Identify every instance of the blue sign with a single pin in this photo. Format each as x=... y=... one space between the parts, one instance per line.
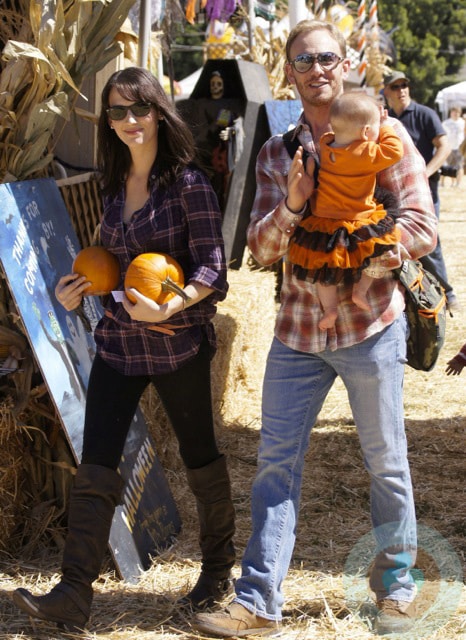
x=37 y=246
x=282 y=115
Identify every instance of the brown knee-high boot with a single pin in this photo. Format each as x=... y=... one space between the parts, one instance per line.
x=211 y=488
x=94 y=496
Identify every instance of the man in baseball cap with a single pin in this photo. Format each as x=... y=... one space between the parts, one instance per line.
x=425 y=128
x=393 y=76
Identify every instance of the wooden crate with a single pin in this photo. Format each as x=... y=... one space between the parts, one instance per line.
x=82 y=199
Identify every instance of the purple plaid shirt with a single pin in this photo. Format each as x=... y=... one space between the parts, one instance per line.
x=185 y=223
x=272 y=225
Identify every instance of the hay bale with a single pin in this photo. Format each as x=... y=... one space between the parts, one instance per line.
x=10 y=470
x=244 y=326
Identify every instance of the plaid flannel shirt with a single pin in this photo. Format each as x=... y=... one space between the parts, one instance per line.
x=184 y=222
x=272 y=226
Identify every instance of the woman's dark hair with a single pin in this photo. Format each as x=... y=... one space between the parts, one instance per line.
x=175 y=141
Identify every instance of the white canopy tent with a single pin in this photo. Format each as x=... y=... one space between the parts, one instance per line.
x=453 y=95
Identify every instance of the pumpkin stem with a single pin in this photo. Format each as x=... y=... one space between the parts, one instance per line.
x=169 y=285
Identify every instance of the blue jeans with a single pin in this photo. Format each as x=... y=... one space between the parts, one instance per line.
x=295 y=387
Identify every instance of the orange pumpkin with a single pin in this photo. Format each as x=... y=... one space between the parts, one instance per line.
x=100 y=267
x=157 y=276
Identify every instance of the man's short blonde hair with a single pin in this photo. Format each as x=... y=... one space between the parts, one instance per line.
x=306 y=26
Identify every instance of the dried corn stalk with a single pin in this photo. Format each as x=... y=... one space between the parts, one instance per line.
x=376 y=65
x=48 y=48
x=40 y=79
x=271 y=54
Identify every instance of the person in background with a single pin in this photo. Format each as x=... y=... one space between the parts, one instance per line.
x=463 y=144
x=366 y=348
x=155 y=200
x=454 y=125
x=456 y=364
x=425 y=128
x=348 y=226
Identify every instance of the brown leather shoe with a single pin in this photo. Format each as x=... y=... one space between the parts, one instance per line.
x=235 y=621
x=394 y=616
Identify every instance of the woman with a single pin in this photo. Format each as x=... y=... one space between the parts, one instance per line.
x=155 y=200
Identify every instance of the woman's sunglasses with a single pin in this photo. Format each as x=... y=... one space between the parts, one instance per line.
x=305 y=61
x=138 y=109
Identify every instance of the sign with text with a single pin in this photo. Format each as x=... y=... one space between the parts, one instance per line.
x=37 y=246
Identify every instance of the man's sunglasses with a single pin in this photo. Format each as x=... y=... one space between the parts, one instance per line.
x=305 y=61
x=396 y=87
x=138 y=109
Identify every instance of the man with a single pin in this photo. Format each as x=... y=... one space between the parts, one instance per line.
x=366 y=348
x=454 y=125
x=425 y=128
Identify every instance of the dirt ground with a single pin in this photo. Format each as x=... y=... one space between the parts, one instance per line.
x=322 y=598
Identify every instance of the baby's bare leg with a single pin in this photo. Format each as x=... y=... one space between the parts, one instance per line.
x=329 y=301
x=360 y=290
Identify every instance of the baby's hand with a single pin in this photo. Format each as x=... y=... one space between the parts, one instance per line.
x=383 y=113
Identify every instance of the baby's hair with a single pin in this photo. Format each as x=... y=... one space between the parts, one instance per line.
x=356 y=107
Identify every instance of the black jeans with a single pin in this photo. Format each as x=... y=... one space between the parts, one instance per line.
x=112 y=400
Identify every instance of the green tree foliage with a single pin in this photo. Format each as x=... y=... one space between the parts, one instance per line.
x=187 y=50
x=430 y=39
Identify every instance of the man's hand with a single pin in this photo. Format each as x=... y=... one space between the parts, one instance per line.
x=300 y=182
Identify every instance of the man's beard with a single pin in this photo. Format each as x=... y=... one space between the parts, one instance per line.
x=318 y=99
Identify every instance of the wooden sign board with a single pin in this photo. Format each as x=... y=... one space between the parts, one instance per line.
x=37 y=246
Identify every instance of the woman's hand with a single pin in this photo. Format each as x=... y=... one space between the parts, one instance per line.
x=70 y=290
x=300 y=182
x=145 y=309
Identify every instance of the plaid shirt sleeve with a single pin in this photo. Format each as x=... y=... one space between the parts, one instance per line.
x=272 y=223
x=205 y=241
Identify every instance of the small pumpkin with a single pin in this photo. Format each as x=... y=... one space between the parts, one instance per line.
x=157 y=276
x=100 y=267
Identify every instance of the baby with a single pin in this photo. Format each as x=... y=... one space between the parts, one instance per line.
x=348 y=227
